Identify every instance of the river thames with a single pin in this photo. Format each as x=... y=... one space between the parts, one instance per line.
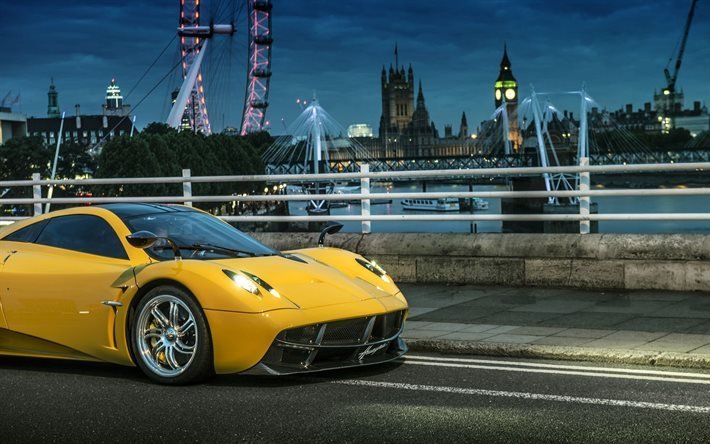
x=607 y=205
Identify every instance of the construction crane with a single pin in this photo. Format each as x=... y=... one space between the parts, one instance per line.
x=671 y=79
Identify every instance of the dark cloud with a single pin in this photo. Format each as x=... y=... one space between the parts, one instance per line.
x=337 y=49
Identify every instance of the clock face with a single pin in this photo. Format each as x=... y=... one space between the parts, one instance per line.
x=498 y=94
x=510 y=94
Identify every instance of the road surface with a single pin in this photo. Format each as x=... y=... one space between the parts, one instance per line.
x=423 y=398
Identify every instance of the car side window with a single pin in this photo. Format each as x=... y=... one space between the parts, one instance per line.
x=84 y=233
x=28 y=233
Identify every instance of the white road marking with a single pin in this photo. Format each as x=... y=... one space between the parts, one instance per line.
x=524 y=395
x=559 y=366
x=559 y=372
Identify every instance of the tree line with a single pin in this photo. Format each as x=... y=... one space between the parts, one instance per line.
x=157 y=151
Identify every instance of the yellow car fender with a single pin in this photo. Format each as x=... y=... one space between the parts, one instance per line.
x=208 y=283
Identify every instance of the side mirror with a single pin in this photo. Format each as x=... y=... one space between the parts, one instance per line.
x=146 y=239
x=142 y=239
x=330 y=228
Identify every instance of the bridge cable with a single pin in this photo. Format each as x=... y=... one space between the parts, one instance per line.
x=151 y=66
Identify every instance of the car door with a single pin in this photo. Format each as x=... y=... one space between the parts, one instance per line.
x=8 y=247
x=5 y=254
x=3 y=322
x=53 y=289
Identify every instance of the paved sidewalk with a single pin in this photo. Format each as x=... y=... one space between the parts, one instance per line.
x=635 y=327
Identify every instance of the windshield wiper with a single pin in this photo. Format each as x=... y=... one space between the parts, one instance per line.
x=217 y=248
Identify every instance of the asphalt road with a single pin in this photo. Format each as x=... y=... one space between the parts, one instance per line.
x=423 y=398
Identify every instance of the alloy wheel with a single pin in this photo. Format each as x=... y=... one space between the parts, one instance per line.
x=166 y=335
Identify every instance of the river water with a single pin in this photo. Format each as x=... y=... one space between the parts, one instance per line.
x=607 y=205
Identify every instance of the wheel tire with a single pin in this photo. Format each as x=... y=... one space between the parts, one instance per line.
x=170 y=338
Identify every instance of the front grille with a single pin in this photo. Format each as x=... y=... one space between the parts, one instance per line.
x=387 y=325
x=337 y=344
x=346 y=332
x=301 y=335
x=350 y=331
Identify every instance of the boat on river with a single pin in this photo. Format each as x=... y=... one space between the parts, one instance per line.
x=479 y=204
x=443 y=204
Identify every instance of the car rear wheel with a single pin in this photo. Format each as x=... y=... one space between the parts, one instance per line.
x=171 y=341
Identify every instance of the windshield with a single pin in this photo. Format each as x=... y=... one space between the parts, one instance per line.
x=198 y=235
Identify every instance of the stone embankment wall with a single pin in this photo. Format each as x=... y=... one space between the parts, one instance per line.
x=594 y=261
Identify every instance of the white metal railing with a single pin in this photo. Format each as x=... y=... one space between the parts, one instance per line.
x=365 y=196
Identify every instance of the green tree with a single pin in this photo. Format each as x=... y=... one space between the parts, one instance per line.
x=74 y=161
x=160 y=151
x=158 y=128
x=19 y=159
x=22 y=157
x=129 y=157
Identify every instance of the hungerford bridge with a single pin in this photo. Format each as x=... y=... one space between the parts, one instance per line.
x=478 y=161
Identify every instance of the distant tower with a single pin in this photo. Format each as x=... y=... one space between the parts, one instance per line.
x=668 y=103
x=420 y=118
x=506 y=87
x=114 y=99
x=463 y=131
x=422 y=130
x=397 y=99
x=114 y=105
x=53 y=101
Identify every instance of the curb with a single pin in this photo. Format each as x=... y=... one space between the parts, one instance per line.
x=631 y=357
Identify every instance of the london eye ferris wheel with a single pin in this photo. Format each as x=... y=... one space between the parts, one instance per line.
x=195 y=32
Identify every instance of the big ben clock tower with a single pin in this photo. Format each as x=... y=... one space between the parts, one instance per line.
x=506 y=88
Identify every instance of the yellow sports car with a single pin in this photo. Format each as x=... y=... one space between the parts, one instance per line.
x=182 y=295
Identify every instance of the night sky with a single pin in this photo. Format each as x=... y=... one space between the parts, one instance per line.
x=337 y=48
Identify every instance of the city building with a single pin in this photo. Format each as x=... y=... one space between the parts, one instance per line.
x=360 y=130
x=494 y=137
x=397 y=99
x=11 y=125
x=90 y=130
x=655 y=121
x=646 y=119
x=114 y=105
x=695 y=120
x=402 y=120
x=53 y=100
x=505 y=90
x=406 y=128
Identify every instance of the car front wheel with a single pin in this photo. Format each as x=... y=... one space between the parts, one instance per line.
x=171 y=341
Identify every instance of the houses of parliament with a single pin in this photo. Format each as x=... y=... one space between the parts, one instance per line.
x=407 y=131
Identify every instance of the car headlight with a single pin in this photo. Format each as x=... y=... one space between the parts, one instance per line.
x=375 y=268
x=249 y=282
x=243 y=282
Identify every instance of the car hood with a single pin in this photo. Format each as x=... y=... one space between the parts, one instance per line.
x=308 y=284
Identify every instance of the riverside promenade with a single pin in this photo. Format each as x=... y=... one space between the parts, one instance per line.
x=651 y=327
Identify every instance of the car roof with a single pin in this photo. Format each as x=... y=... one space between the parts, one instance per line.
x=128 y=210
x=121 y=210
